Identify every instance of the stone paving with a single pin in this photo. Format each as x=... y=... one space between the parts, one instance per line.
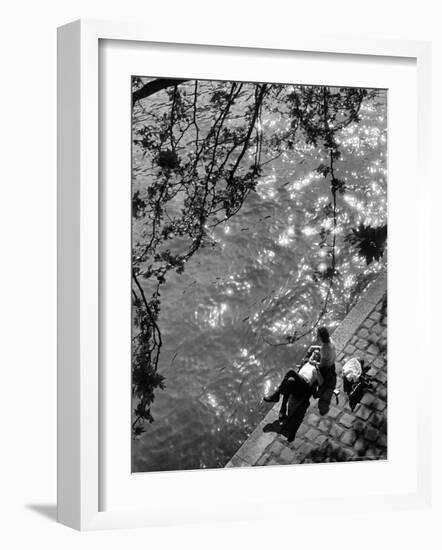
x=334 y=428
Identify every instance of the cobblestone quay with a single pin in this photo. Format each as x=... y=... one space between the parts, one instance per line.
x=332 y=428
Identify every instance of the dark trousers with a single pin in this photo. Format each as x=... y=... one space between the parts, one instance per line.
x=293 y=384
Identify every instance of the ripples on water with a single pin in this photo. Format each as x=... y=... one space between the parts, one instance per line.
x=256 y=285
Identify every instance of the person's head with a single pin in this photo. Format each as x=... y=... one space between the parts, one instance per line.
x=323 y=335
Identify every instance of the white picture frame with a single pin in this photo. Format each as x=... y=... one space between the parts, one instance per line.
x=79 y=461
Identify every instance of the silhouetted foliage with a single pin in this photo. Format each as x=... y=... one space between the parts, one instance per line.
x=369 y=241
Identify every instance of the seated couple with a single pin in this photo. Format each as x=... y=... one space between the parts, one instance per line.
x=302 y=384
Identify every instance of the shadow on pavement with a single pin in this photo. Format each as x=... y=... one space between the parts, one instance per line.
x=327 y=452
x=290 y=427
x=326 y=392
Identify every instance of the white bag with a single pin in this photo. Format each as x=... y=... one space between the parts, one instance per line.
x=352 y=370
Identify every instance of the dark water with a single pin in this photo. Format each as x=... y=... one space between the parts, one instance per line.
x=256 y=286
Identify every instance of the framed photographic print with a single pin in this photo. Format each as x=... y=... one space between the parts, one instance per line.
x=232 y=235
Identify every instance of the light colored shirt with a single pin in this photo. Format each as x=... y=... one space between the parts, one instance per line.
x=327 y=354
x=309 y=373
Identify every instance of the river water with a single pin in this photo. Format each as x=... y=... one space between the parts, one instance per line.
x=221 y=316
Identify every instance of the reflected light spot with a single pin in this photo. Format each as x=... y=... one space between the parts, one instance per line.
x=309 y=231
x=265 y=256
x=212 y=316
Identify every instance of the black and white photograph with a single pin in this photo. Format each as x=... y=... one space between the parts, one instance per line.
x=259 y=274
x=221 y=275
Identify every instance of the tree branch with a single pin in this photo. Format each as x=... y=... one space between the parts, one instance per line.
x=155 y=86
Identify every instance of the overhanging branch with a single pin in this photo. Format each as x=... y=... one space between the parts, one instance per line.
x=153 y=87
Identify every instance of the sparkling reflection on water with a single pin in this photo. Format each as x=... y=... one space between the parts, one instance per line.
x=255 y=286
